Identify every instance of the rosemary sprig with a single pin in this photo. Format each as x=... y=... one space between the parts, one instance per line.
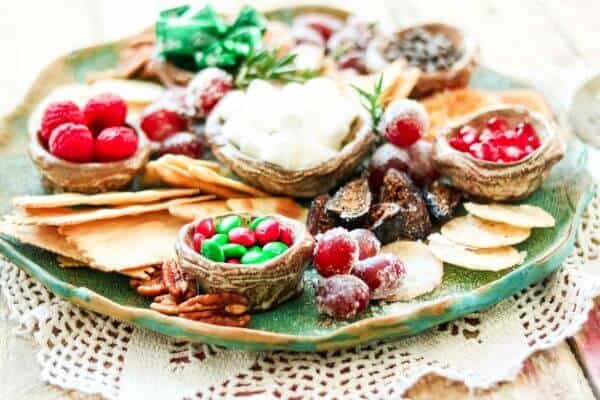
x=372 y=101
x=267 y=65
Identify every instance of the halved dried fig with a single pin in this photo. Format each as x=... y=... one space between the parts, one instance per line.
x=318 y=221
x=386 y=221
x=441 y=200
x=351 y=203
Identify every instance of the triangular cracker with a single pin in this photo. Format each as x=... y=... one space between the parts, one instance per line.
x=192 y=211
x=266 y=205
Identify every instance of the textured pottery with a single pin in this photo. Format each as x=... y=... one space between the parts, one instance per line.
x=499 y=181
x=264 y=285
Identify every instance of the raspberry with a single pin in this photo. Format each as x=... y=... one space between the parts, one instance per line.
x=206 y=89
x=335 y=253
x=116 y=143
x=58 y=113
x=342 y=296
x=104 y=111
x=72 y=142
x=183 y=143
x=382 y=273
x=158 y=123
x=404 y=122
x=368 y=244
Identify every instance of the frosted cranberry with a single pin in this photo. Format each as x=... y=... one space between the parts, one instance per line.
x=267 y=231
x=353 y=60
x=342 y=296
x=286 y=235
x=233 y=261
x=206 y=227
x=368 y=244
x=197 y=240
x=382 y=273
x=182 y=143
x=243 y=236
x=421 y=167
x=323 y=29
x=207 y=88
x=497 y=124
x=386 y=157
x=403 y=132
x=403 y=122
x=158 y=123
x=336 y=252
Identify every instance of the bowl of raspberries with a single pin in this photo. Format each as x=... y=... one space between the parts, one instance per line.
x=89 y=149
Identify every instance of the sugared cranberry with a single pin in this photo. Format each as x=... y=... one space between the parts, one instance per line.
x=243 y=236
x=115 y=143
x=368 y=244
x=353 y=60
x=104 y=111
x=182 y=143
x=56 y=114
x=382 y=273
x=286 y=235
x=342 y=296
x=267 y=231
x=206 y=227
x=386 y=157
x=336 y=252
x=197 y=240
x=206 y=89
x=158 y=123
x=403 y=131
x=421 y=167
x=497 y=124
x=404 y=122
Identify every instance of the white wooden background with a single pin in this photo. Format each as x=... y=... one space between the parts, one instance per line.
x=549 y=40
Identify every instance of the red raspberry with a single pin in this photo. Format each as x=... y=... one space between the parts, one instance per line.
x=336 y=252
x=56 y=114
x=72 y=142
x=158 y=123
x=206 y=89
x=104 y=111
x=116 y=143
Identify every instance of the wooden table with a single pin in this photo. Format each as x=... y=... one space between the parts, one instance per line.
x=524 y=38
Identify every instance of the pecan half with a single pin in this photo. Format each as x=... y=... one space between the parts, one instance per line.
x=152 y=288
x=165 y=304
x=174 y=279
x=223 y=320
x=227 y=309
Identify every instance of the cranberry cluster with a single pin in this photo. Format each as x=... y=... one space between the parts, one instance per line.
x=355 y=272
x=497 y=141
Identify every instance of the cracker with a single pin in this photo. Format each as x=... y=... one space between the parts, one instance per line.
x=266 y=205
x=142 y=273
x=209 y=176
x=193 y=211
x=184 y=162
x=423 y=271
x=68 y=262
x=481 y=234
x=126 y=243
x=495 y=259
x=69 y=216
x=526 y=98
x=523 y=215
x=101 y=199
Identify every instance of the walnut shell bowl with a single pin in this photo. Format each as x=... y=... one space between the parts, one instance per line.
x=64 y=176
x=306 y=182
x=495 y=181
x=264 y=285
x=459 y=74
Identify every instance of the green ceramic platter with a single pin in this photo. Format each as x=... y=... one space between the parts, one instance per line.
x=294 y=325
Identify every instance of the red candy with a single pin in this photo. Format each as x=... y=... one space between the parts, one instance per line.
x=158 y=123
x=267 y=231
x=72 y=142
x=233 y=261
x=336 y=252
x=103 y=111
x=243 y=236
x=206 y=227
x=382 y=273
x=197 y=240
x=368 y=244
x=286 y=235
x=342 y=296
x=57 y=114
x=115 y=144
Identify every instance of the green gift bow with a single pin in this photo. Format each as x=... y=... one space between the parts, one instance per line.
x=195 y=39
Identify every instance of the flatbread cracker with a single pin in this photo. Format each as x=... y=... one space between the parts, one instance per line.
x=495 y=259
x=101 y=199
x=184 y=162
x=478 y=233
x=209 y=176
x=138 y=273
x=265 y=205
x=69 y=216
x=126 y=243
x=423 y=271
x=193 y=211
x=523 y=215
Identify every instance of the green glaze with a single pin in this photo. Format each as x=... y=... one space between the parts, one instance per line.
x=295 y=324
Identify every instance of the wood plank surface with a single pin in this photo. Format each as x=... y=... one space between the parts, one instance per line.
x=517 y=37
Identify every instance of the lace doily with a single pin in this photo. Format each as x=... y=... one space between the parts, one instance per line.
x=96 y=354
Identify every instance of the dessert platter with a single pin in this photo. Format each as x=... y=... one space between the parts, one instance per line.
x=298 y=179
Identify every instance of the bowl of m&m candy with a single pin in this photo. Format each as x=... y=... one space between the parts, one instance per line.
x=262 y=257
x=499 y=153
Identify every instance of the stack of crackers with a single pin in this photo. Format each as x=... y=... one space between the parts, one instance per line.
x=125 y=232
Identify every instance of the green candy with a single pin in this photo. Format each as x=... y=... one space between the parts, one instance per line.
x=220 y=239
x=257 y=221
x=233 y=250
x=212 y=251
x=276 y=248
x=255 y=256
x=228 y=223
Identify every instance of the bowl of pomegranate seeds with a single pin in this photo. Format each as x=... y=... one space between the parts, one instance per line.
x=261 y=257
x=499 y=153
x=89 y=150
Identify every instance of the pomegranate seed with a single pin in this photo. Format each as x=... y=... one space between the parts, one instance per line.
x=243 y=236
x=368 y=244
x=459 y=144
x=497 y=124
x=197 y=240
x=512 y=153
x=335 y=252
x=267 y=231
x=206 y=227
x=382 y=273
x=286 y=235
x=342 y=296
x=467 y=130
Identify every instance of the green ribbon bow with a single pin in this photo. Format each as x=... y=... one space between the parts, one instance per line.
x=194 y=38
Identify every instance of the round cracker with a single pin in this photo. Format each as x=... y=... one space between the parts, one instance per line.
x=481 y=234
x=523 y=215
x=424 y=271
x=476 y=259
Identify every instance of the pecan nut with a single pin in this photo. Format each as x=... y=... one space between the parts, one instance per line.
x=174 y=279
x=152 y=288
